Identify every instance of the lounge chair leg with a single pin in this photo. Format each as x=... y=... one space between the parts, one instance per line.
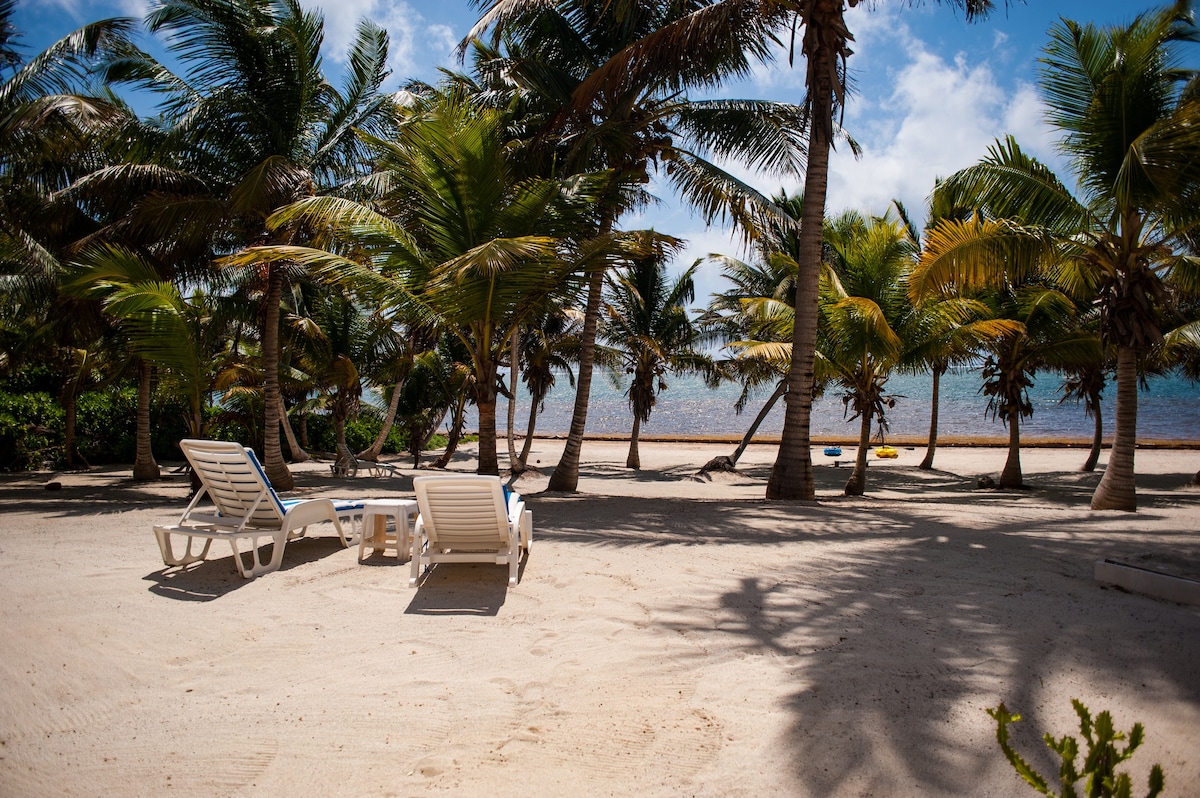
x=168 y=552
x=257 y=567
x=527 y=530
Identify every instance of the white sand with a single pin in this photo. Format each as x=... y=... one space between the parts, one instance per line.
x=669 y=637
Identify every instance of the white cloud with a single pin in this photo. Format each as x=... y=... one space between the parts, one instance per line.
x=416 y=43
x=940 y=117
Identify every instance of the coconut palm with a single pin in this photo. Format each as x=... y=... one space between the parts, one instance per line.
x=252 y=125
x=1051 y=336
x=189 y=339
x=753 y=320
x=651 y=333
x=549 y=346
x=1085 y=383
x=1127 y=110
x=51 y=129
x=597 y=110
x=460 y=244
x=948 y=329
x=864 y=309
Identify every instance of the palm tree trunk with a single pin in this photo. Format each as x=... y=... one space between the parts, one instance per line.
x=780 y=390
x=857 y=483
x=1089 y=465
x=373 y=451
x=1011 y=477
x=452 y=439
x=533 y=412
x=298 y=453
x=515 y=465
x=565 y=477
x=825 y=37
x=276 y=469
x=145 y=468
x=931 y=448
x=1118 y=489
x=339 y=429
x=70 y=414
x=634 y=460
x=489 y=463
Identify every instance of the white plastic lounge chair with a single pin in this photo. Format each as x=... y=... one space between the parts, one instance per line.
x=246 y=507
x=465 y=519
x=347 y=465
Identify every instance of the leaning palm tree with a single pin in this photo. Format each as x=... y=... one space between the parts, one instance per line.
x=252 y=126
x=594 y=109
x=549 y=346
x=753 y=321
x=650 y=332
x=1127 y=108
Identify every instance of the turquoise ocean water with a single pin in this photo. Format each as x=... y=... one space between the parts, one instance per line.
x=1169 y=410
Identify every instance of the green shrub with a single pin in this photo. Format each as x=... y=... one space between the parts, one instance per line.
x=30 y=430
x=1099 y=766
x=106 y=425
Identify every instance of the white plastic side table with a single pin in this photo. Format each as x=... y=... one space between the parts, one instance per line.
x=375 y=534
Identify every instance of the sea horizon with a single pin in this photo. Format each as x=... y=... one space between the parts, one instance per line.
x=1168 y=410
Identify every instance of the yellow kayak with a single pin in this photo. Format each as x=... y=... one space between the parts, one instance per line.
x=886 y=451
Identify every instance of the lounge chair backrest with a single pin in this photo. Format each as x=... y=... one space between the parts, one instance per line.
x=464 y=513
x=235 y=482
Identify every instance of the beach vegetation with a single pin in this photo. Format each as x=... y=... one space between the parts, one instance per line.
x=457 y=243
x=548 y=348
x=753 y=319
x=650 y=332
x=1126 y=108
x=825 y=43
x=251 y=125
x=610 y=83
x=1098 y=770
x=863 y=312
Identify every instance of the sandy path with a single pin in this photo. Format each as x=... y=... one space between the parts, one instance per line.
x=669 y=637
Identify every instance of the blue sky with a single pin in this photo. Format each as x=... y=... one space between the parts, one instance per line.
x=931 y=91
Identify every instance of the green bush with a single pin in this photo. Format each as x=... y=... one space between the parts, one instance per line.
x=360 y=433
x=106 y=425
x=30 y=430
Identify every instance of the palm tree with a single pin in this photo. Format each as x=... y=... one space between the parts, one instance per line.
x=1127 y=110
x=600 y=103
x=51 y=131
x=189 y=339
x=753 y=320
x=1085 y=383
x=720 y=27
x=864 y=309
x=948 y=328
x=1050 y=337
x=251 y=127
x=549 y=345
x=463 y=246
x=651 y=333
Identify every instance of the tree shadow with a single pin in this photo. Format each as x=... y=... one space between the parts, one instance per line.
x=888 y=644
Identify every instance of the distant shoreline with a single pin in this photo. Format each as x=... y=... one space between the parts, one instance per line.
x=846 y=440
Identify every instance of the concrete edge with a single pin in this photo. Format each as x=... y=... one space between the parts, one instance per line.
x=1150 y=583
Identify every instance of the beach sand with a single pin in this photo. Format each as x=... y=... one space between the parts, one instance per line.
x=670 y=636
